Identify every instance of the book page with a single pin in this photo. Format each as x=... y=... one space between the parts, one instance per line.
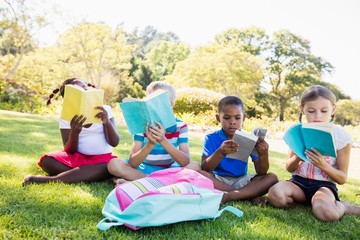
x=246 y=143
x=78 y=101
x=320 y=137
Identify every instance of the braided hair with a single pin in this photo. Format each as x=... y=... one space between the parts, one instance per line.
x=61 y=89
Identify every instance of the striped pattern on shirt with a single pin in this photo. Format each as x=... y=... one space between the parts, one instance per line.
x=176 y=135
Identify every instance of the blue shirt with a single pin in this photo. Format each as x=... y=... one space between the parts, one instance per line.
x=227 y=167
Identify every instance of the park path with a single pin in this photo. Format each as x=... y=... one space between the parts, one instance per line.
x=278 y=145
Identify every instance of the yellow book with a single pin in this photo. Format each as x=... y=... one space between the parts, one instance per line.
x=79 y=101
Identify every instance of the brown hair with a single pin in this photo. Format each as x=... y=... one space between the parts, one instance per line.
x=313 y=93
x=61 y=89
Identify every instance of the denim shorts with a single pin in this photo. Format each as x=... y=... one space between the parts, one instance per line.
x=311 y=186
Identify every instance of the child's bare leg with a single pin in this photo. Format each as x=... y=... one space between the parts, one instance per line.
x=90 y=173
x=217 y=184
x=121 y=169
x=325 y=207
x=350 y=208
x=52 y=166
x=285 y=194
x=194 y=166
x=258 y=186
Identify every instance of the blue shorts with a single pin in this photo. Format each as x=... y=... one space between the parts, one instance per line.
x=147 y=168
x=311 y=186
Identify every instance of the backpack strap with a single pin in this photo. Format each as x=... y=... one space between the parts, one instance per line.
x=102 y=225
x=231 y=209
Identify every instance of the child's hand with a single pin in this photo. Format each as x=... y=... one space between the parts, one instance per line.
x=103 y=115
x=316 y=158
x=158 y=131
x=149 y=135
x=76 y=123
x=228 y=146
x=262 y=147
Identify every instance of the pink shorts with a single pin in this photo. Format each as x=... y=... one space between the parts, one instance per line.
x=76 y=159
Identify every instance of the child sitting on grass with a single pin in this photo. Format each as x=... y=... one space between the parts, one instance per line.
x=230 y=175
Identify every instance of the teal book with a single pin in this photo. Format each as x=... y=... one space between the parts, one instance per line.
x=301 y=137
x=155 y=107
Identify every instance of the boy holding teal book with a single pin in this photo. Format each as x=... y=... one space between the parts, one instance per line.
x=158 y=148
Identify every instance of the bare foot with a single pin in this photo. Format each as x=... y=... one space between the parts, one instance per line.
x=350 y=208
x=27 y=180
x=259 y=200
x=119 y=181
x=225 y=198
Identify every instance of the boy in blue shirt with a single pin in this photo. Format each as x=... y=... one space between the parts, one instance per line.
x=230 y=175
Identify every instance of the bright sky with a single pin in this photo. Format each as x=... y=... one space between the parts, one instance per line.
x=331 y=26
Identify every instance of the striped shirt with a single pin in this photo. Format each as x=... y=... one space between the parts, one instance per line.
x=176 y=135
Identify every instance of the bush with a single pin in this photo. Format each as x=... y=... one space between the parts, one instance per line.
x=196 y=101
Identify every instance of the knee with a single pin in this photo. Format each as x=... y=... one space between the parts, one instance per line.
x=194 y=166
x=276 y=196
x=116 y=167
x=272 y=179
x=324 y=211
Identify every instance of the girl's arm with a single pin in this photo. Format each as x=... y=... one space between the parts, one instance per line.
x=292 y=162
x=111 y=135
x=339 y=175
x=70 y=137
x=110 y=131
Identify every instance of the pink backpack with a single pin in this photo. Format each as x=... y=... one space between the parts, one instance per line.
x=164 y=197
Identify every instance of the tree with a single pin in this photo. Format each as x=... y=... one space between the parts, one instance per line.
x=17 y=24
x=251 y=40
x=162 y=59
x=96 y=51
x=224 y=69
x=290 y=68
x=144 y=41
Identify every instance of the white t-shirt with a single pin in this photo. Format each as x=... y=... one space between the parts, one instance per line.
x=310 y=171
x=91 y=140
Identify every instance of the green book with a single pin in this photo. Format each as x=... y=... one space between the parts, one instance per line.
x=318 y=135
x=155 y=107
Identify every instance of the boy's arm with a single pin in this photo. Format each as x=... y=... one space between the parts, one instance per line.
x=138 y=153
x=181 y=155
x=262 y=164
x=209 y=163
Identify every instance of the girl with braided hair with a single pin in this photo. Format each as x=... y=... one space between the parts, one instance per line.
x=87 y=148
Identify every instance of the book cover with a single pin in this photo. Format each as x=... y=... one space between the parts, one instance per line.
x=301 y=137
x=260 y=133
x=246 y=143
x=155 y=107
x=79 y=101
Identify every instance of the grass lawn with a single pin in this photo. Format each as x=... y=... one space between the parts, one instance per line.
x=72 y=211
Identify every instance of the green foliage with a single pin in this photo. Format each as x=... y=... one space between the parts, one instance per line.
x=14 y=96
x=226 y=70
x=163 y=58
x=196 y=100
x=348 y=112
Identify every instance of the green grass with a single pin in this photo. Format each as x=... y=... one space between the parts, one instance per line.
x=72 y=211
